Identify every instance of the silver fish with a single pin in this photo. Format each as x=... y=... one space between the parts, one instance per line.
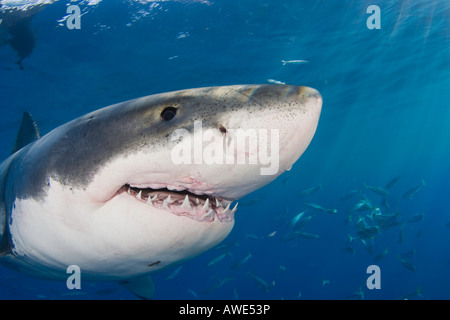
x=416 y=217
x=218 y=258
x=320 y=208
x=377 y=190
x=241 y=262
x=174 y=273
x=285 y=62
x=392 y=183
x=309 y=191
x=295 y=220
x=263 y=285
x=408 y=194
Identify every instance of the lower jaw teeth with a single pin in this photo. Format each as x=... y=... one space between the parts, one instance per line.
x=210 y=213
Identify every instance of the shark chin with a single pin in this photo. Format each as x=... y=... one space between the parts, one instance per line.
x=134 y=188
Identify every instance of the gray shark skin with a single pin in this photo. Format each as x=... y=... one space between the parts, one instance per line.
x=103 y=192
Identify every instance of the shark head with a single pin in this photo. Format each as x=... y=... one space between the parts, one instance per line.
x=138 y=186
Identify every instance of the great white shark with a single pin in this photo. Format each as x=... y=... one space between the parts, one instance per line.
x=102 y=192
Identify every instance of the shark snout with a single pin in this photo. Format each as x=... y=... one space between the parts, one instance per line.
x=316 y=100
x=303 y=106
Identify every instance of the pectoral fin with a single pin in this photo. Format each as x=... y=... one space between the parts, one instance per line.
x=142 y=287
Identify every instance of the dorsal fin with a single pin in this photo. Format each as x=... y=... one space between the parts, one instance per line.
x=28 y=132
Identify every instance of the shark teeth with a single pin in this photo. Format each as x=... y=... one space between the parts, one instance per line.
x=208 y=214
x=150 y=199
x=164 y=205
x=227 y=214
x=206 y=205
x=227 y=209
x=186 y=203
x=202 y=208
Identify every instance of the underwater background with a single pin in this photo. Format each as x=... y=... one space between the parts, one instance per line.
x=380 y=156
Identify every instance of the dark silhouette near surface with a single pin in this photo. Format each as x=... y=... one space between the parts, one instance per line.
x=21 y=38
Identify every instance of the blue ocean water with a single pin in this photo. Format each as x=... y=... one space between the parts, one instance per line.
x=385 y=115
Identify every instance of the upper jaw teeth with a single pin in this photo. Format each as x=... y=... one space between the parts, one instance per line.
x=190 y=205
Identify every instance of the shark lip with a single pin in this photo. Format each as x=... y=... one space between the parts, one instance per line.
x=203 y=208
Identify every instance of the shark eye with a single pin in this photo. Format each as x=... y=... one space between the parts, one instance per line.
x=168 y=113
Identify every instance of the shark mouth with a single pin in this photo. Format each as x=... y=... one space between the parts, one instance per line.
x=201 y=208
